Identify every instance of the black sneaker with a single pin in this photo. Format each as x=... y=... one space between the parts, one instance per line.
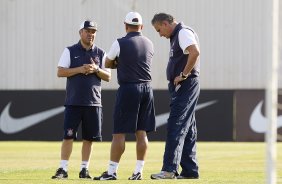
x=84 y=173
x=106 y=176
x=187 y=177
x=60 y=174
x=137 y=176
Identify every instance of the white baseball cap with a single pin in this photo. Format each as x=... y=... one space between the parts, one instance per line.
x=133 y=18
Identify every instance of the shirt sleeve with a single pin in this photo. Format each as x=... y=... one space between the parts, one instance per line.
x=186 y=38
x=114 y=51
x=103 y=64
x=65 y=59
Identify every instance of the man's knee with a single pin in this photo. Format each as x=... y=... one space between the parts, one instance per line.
x=141 y=137
x=118 y=137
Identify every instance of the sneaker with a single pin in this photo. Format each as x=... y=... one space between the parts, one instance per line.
x=163 y=175
x=60 y=174
x=137 y=176
x=106 y=176
x=187 y=177
x=84 y=173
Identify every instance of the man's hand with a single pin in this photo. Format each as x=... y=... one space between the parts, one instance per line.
x=89 y=68
x=178 y=79
x=111 y=63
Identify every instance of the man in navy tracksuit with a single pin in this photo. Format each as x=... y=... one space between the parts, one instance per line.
x=183 y=76
x=134 y=109
x=84 y=66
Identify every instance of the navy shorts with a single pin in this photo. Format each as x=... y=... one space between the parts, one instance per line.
x=134 y=108
x=90 y=118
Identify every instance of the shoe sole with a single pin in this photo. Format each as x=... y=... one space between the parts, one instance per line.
x=157 y=178
x=135 y=179
x=56 y=178
x=187 y=178
x=104 y=179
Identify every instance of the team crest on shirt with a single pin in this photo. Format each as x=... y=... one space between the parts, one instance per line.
x=96 y=59
x=70 y=132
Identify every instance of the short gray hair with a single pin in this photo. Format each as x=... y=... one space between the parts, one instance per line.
x=159 y=17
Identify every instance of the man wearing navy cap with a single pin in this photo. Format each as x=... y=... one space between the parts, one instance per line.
x=134 y=109
x=84 y=66
x=183 y=72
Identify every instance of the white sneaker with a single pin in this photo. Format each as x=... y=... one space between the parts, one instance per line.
x=163 y=175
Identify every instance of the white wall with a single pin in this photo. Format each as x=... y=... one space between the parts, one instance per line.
x=33 y=34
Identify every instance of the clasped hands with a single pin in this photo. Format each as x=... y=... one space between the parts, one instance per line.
x=89 y=68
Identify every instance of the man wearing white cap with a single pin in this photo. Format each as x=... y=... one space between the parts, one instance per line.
x=134 y=109
x=84 y=66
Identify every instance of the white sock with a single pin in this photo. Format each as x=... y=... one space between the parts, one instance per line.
x=84 y=164
x=139 y=166
x=113 y=167
x=64 y=164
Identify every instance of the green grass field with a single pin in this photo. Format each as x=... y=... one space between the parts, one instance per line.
x=226 y=163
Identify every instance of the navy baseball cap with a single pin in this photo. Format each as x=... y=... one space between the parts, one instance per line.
x=87 y=24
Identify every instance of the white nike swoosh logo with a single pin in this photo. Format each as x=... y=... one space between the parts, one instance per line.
x=162 y=118
x=75 y=57
x=258 y=122
x=10 y=125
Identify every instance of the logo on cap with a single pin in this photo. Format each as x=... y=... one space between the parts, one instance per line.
x=91 y=24
x=87 y=24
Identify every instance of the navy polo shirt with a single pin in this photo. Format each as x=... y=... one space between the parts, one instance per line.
x=178 y=60
x=84 y=90
x=135 y=58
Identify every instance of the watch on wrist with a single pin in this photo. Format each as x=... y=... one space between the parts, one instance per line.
x=183 y=76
